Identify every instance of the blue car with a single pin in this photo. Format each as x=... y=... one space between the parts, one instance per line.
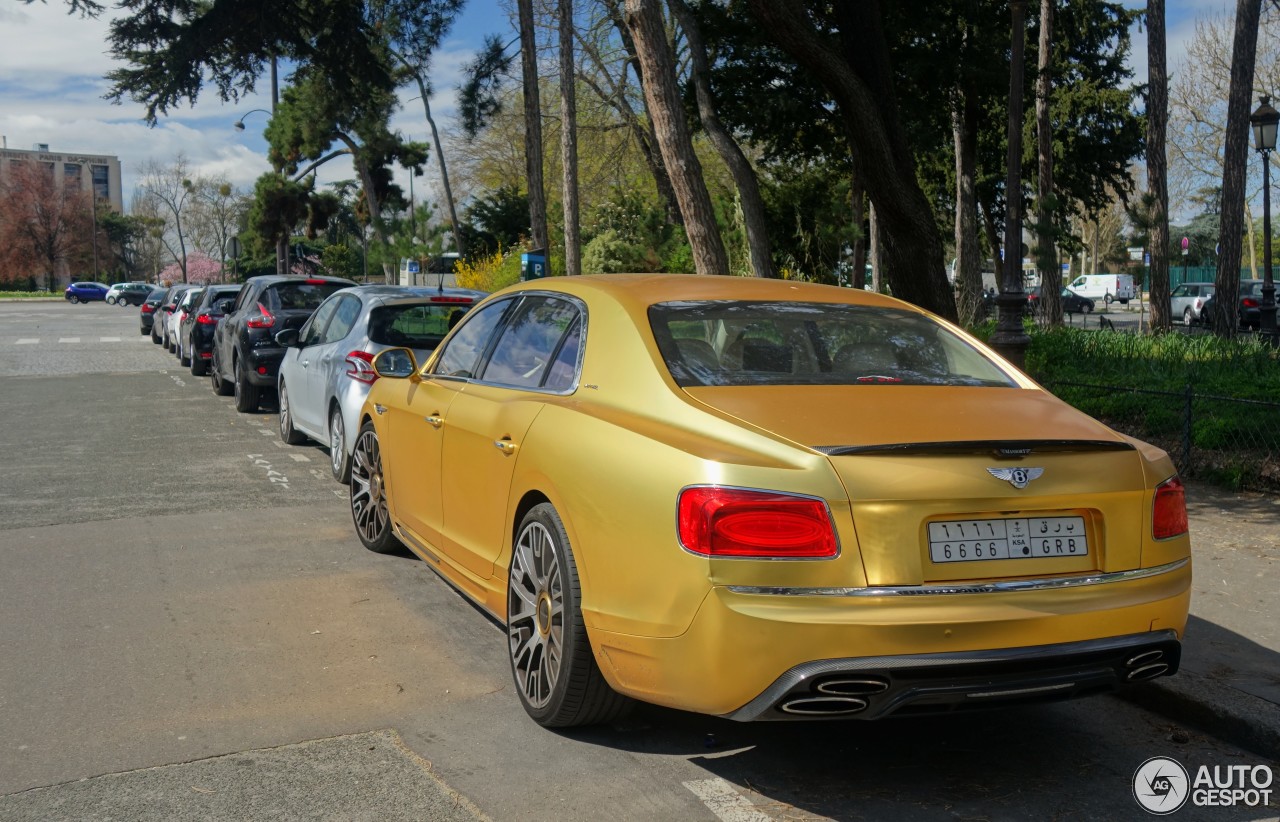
x=85 y=292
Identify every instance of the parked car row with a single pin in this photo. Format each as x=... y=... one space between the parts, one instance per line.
x=1072 y=303
x=731 y=496
x=1248 y=307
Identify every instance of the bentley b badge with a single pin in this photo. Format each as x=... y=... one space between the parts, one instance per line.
x=1017 y=477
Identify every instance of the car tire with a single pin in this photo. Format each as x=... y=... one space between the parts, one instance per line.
x=74 y=299
x=184 y=358
x=111 y=300
x=220 y=386
x=1086 y=308
x=287 y=432
x=339 y=459
x=197 y=364
x=155 y=338
x=368 y=495
x=1188 y=319
x=555 y=673
x=246 y=393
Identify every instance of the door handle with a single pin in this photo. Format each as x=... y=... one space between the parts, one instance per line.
x=434 y=421
x=505 y=446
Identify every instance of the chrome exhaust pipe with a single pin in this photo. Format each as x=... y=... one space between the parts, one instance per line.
x=1143 y=659
x=823 y=706
x=852 y=687
x=1147 y=672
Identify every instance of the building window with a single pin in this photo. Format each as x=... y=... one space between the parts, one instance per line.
x=101 y=187
x=71 y=176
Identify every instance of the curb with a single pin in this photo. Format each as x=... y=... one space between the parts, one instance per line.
x=1213 y=706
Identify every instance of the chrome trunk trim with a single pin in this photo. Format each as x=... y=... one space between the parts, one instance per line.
x=945 y=589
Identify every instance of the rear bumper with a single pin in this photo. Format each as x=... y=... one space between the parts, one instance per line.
x=263 y=365
x=751 y=654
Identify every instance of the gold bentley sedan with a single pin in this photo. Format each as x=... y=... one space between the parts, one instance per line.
x=768 y=500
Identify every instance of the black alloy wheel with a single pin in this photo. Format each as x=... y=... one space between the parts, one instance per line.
x=368 y=494
x=220 y=386
x=247 y=394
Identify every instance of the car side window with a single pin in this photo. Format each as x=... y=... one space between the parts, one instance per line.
x=564 y=371
x=241 y=298
x=347 y=309
x=461 y=355
x=1182 y=291
x=529 y=342
x=313 y=331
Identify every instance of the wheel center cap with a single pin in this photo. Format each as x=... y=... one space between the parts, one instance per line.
x=544 y=613
x=375 y=487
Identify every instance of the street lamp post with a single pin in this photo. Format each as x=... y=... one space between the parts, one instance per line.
x=1264 y=121
x=282 y=243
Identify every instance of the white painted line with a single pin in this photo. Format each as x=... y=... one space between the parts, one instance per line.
x=300 y=458
x=28 y=341
x=281 y=444
x=725 y=802
x=267 y=432
x=108 y=339
x=68 y=339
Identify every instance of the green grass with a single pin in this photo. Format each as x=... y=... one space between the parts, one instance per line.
x=27 y=295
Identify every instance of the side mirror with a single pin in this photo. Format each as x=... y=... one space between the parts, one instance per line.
x=397 y=363
x=223 y=306
x=287 y=338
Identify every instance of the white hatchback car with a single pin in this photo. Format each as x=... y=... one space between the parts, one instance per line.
x=326 y=371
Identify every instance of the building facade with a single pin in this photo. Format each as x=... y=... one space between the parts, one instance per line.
x=99 y=173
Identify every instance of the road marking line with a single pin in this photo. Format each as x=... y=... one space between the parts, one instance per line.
x=266 y=432
x=724 y=801
x=108 y=339
x=28 y=341
x=68 y=339
x=300 y=458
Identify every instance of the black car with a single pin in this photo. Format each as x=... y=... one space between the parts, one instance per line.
x=195 y=332
x=1072 y=303
x=131 y=294
x=168 y=304
x=147 y=313
x=1248 y=312
x=246 y=357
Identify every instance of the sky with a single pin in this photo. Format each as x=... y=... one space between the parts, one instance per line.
x=52 y=68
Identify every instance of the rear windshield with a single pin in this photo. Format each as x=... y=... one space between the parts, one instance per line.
x=414 y=326
x=760 y=343
x=301 y=296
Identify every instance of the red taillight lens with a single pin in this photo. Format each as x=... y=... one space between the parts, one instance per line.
x=1169 y=512
x=729 y=522
x=205 y=319
x=264 y=319
x=360 y=367
x=1250 y=302
x=148 y=309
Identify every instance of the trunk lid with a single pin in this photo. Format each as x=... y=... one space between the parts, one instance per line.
x=948 y=461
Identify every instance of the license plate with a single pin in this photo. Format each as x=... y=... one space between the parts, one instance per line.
x=969 y=540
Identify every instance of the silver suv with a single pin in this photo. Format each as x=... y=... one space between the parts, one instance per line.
x=1187 y=301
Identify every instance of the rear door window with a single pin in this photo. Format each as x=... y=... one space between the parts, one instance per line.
x=530 y=342
x=461 y=356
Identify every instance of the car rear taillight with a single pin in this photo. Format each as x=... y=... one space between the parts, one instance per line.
x=1250 y=302
x=205 y=319
x=264 y=319
x=1169 y=511
x=148 y=308
x=731 y=522
x=360 y=367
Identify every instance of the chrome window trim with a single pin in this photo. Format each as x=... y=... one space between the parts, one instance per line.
x=1002 y=586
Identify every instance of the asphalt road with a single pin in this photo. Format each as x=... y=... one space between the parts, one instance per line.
x=189 y=629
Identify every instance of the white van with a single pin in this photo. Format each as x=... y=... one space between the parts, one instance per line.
x=1105 y=287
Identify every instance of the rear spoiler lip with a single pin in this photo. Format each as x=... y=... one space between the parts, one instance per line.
x=1000 y=449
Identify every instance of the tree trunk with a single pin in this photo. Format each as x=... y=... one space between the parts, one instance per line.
x=458 y=242
x=532 y=127
x=860 y=79
x=645 y=136
x=1009 y=338
x=1157 y=166
x=569 y=142
x=1234 y=159
x=375 y=208
x=877 y=268
x=1046 y=252
x=858 y=200
x=644 y=20
x=968 y=274
x=744 y=176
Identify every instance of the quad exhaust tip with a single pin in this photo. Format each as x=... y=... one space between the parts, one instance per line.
x=1147 y=665
x=864 y=686
x=823 y=706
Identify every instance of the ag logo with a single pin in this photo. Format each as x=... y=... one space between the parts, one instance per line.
x=1161 y=785
x=1018 y=477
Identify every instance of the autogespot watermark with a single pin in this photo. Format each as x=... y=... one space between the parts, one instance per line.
x=1162 y=786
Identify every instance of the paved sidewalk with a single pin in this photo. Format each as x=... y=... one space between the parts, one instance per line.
x=1229 y=682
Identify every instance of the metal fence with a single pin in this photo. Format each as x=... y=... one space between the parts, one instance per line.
x=1222 y=439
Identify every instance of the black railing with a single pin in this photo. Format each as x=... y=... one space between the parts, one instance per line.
x=1222 y=439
